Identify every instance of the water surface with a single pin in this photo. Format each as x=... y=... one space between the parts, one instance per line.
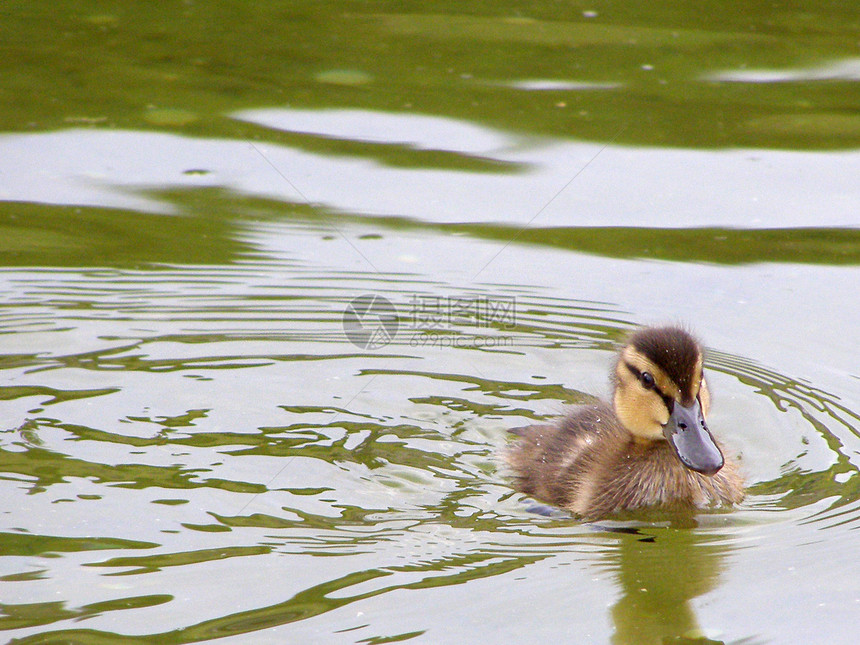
x=194 y=447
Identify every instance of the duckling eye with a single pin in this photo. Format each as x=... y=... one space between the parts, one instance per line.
x=647 y=380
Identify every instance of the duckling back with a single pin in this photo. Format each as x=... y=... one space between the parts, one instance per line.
x=552 y=462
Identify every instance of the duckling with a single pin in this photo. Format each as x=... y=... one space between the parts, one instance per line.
x=651 y=448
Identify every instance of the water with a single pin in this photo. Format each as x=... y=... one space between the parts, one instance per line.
x=194 y=447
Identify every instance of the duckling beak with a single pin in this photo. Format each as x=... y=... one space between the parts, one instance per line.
x=689 y=436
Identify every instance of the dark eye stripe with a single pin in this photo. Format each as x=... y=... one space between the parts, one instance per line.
x=633 y=370
x=640 y=375
x=668 y=401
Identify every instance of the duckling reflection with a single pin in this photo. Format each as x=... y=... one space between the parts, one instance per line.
x=659 y=575
x=652 y=448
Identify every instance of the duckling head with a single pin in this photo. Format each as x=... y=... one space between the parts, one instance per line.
x=661 y=395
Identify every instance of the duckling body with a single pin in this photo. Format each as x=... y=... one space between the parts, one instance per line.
x=651 y=448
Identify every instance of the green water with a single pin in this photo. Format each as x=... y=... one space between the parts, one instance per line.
x=192 y=194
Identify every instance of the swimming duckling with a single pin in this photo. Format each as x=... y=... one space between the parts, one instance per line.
x=652 y=448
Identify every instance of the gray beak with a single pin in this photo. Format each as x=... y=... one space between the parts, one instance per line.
x=689 y=436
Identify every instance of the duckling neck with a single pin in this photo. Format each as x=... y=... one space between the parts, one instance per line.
x=639 y=440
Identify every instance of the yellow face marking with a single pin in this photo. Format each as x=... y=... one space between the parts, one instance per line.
x=698 y=380
x=704 y=396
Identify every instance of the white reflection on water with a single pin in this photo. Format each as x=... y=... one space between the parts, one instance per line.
x=552 y=85
x=847 y=69
x=620 y=186
x=413 y=130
